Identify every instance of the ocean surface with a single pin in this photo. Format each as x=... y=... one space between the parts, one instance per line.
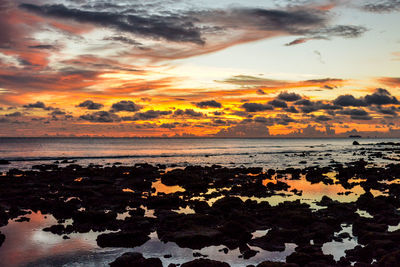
x=271 y=153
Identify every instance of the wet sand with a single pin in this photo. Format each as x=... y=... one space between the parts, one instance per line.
x=155 y=215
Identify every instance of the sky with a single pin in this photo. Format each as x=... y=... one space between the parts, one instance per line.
x=199 y=68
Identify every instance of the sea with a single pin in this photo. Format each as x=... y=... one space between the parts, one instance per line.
x=23 y=153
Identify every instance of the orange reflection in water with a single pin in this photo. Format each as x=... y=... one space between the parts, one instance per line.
x=128 y=190
x=314 y=192
x=162 y=188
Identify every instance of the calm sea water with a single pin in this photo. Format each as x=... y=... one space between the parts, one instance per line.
x=25 y=152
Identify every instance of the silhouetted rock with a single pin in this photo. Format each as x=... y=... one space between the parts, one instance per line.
x=276 y=264
x=122 y=239
x=205 y=263
x=131 y=259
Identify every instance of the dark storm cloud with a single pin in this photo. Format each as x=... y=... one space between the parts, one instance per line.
x=170 y=27
x=195 y=25
x=325 y=80
x=36 y=105
x=381 y=97
x=283 y=119
x=122 y=39
x=240 y=113
x=168 y=125
x=323 y=118
x=382 y=6
x=187 y=112
x=57 y=112
x=14 y=114
x=289 y=97
x=308 y=109
x=349 y=101
x=148 y=115
x=209 y=104
x=292 y=109
x=387 y=111
x=356 y=114
x=297 y=41
x=307 y=106
x=89 y=104
x=291 y=21
x=264 y=120
x=125 y=105
x=220 y=122
x=260 y=92
x=256 y=107
x=101 y=116
x=304 y=102
x=345 y=31
x=39 y=105
x=218 y=113
x=277 y=103
x=42 y=46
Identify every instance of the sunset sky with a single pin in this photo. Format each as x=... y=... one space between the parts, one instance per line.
x=207 y=68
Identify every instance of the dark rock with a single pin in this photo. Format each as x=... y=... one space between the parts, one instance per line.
x=4 y=162
x=198 y=255
x=355 y=143
x=226 y=204
x=391 y=259
x=122 y=239
x=247 y=254
x=205 y=263
x=58 y=229
x=276 y=264
x=278 y=186
x=310 y=256
x=225 y=250
x=131 y=259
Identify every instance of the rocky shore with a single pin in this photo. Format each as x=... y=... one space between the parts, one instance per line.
x=197 y=207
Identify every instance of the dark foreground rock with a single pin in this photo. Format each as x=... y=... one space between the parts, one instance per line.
x=122 y=239
x=222 y=208
x=276 y=264
x=391 y=259
x=134 y=259
x=205 y=263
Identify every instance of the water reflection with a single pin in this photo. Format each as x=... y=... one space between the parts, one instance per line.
x=155 y=248
x=26 y=241
x=337 y=249
x=162 y=188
